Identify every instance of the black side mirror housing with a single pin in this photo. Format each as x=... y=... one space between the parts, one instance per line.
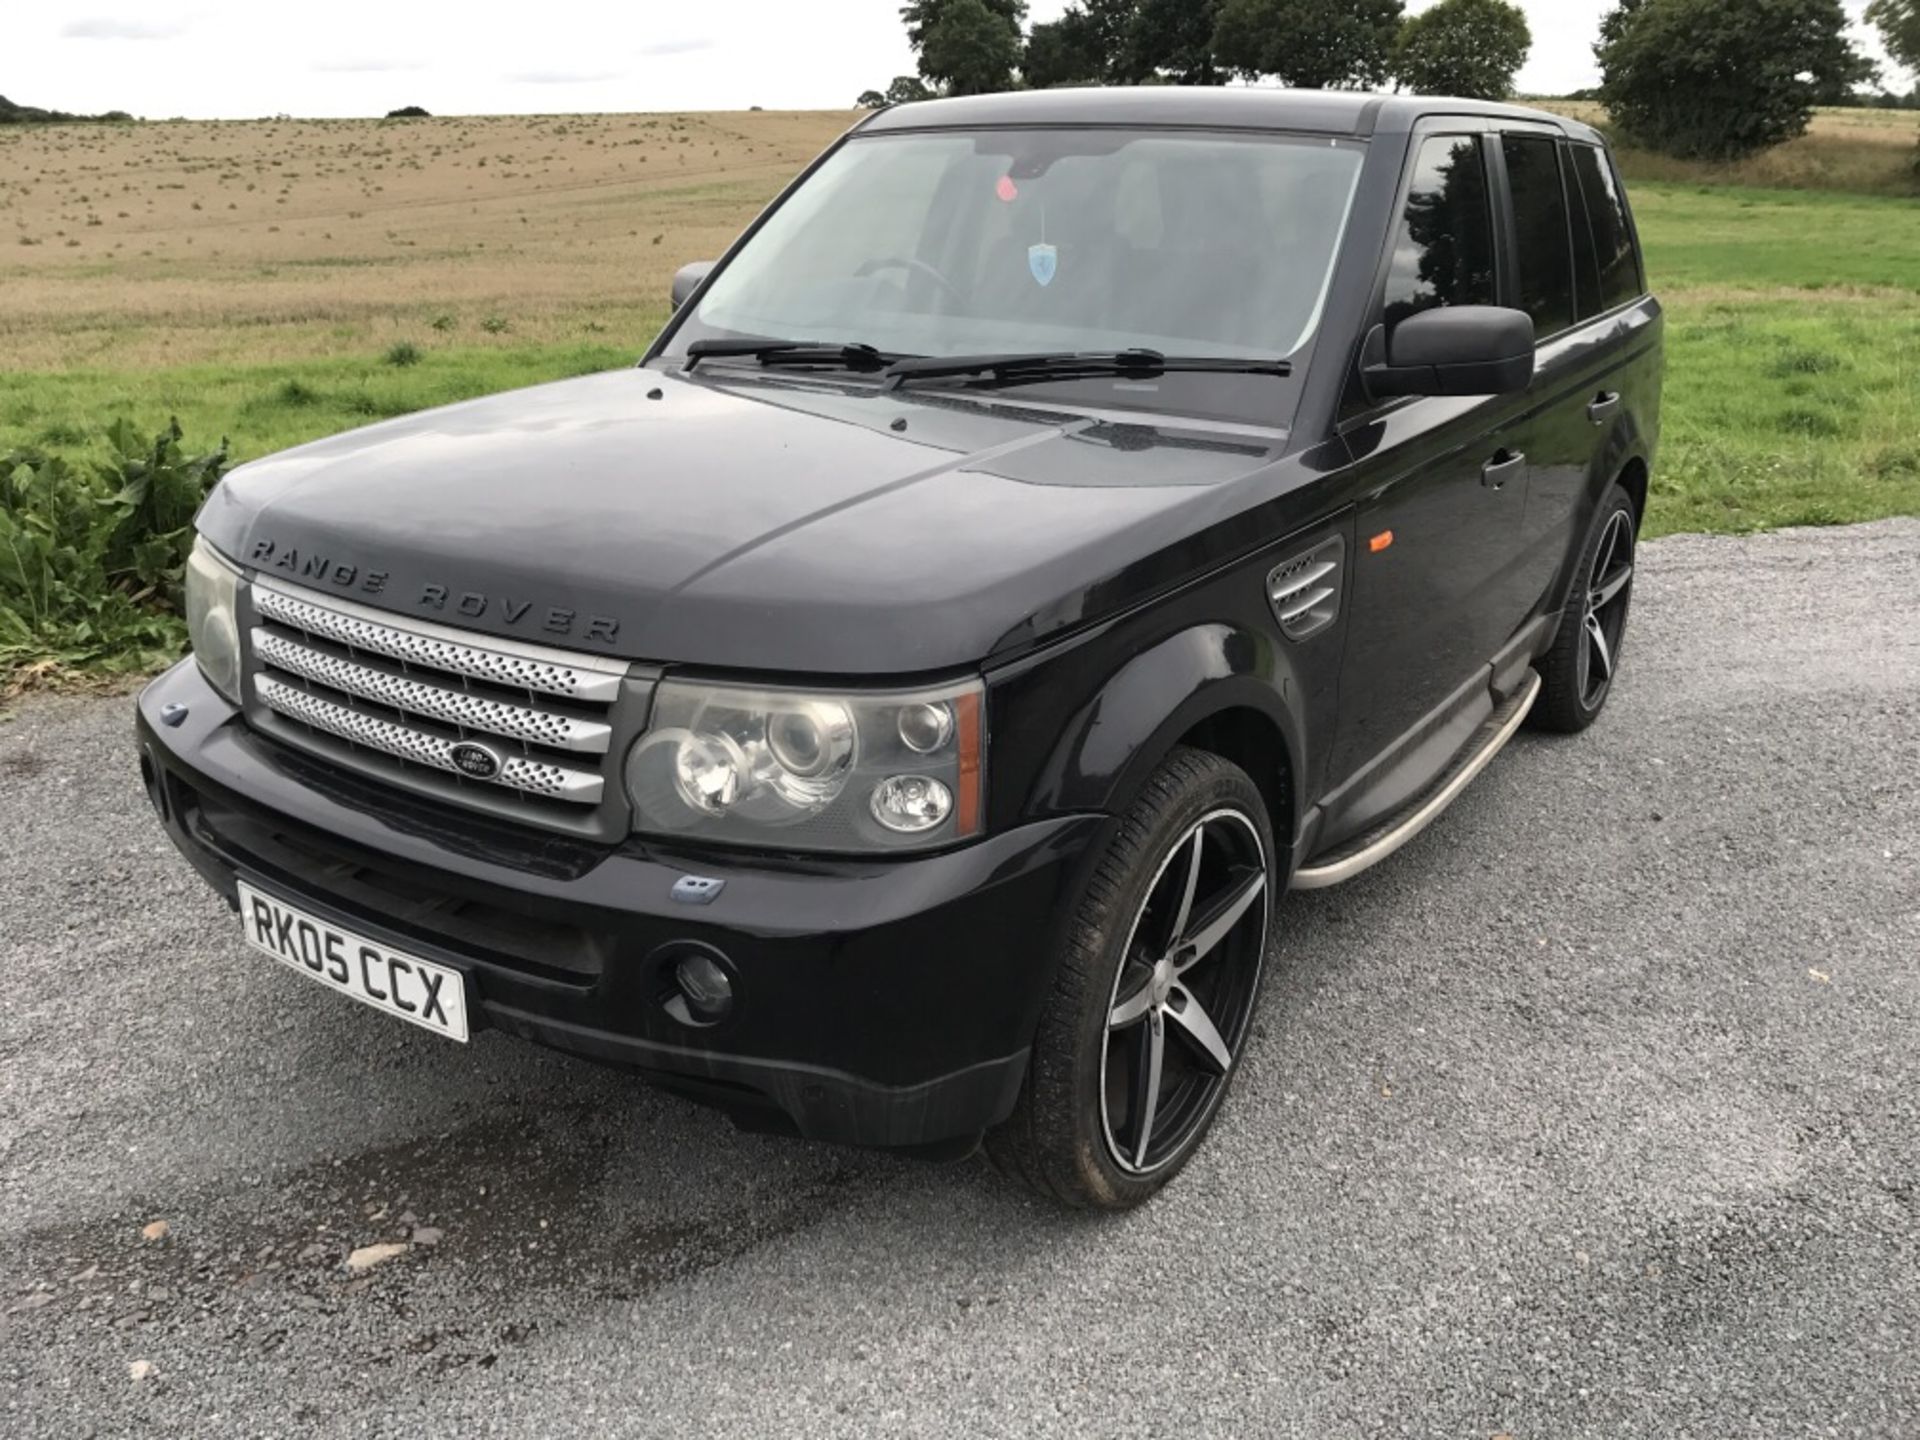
x=689 y=278
x=1453 y=350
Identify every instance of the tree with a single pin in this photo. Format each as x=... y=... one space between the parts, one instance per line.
x=870 y=100
x=1723 y=79
x=1469 y=48
x=1310 y=44
x=971 y=48
x=1067 y=51
x=1125 y=42
x=1899 y=22
x=1614 y=23
x=906 y=89
x=920 y=16
x=1173 y=40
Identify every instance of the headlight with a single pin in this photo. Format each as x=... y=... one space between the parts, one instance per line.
x=212 y=589
x=800 y=770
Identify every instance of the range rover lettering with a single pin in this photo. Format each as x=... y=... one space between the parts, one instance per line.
x=895 y=710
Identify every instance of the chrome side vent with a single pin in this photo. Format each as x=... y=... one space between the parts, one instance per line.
x=1305 y=591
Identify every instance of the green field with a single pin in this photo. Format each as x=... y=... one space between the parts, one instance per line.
x=263 y=408
x=1793 y=381
x=272 y=282
x=1793 y=357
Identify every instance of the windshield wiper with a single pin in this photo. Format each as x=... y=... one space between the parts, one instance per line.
x=790 y=352
x=1073 y=365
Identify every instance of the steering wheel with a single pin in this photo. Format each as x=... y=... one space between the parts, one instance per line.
x=917 y=267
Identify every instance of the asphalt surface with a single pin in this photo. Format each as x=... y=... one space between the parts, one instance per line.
x=1593 y=1113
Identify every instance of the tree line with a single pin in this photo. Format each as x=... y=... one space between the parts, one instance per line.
x=12 y=114
x=1704 y=79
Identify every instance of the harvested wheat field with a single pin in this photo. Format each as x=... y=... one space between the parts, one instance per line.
x=246 y=242
x=1868 y=152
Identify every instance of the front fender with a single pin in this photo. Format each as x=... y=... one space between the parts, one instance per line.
x=1079 y=728
x=1111 y=745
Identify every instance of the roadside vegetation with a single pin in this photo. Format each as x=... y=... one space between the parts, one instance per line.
x=92 y=553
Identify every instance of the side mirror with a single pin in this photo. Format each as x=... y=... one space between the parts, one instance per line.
x=1454 y=350
x=689 y=278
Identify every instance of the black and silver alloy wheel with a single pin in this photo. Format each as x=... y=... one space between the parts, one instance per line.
x=1577 y=674
x=1609 y=589
x=1153 y=997
x=1184 y=993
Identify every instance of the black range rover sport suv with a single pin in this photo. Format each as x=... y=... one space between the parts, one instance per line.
x=894 y=710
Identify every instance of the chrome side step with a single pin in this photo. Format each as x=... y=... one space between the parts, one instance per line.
x=1365 y=851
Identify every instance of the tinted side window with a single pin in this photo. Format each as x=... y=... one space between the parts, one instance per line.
x=1443 y=254
x=1586 y=264
x=1545 y=255
x=1612 y=236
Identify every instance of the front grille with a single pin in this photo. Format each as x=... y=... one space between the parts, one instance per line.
x=488 y=723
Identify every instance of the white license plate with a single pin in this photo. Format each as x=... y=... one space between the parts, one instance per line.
x=428 y=995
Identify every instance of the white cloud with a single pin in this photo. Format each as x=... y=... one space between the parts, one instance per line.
x=367 y=66
x=106 y=27
x=562 y=77
x=676 y=47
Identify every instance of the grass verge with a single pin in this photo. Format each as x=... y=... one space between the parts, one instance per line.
x=264 y=408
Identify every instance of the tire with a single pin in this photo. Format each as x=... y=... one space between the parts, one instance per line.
x=1171 y=925
x=1591 y=637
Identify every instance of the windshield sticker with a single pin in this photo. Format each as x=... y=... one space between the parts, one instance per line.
x=1007 y=190
x=1044 y=262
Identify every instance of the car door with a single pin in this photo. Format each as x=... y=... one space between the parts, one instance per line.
x=1574 y=267
x=1444 y=483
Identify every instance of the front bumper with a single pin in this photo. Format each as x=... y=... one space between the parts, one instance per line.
x=876 y=1002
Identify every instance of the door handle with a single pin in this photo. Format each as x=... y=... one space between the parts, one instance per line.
x=1601 y=410
x=1502 y=468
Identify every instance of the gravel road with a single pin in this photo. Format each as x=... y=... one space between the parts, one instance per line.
x=1593 y=1113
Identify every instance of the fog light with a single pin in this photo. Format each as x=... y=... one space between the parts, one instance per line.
x=909 y=804
x=703 y=995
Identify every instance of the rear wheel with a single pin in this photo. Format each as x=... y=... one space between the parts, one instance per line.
x=1578 y=672
x=1154 y=998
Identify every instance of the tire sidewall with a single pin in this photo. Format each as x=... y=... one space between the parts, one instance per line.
x=1615 y=502
x=1563 y=706
x=1112 y=920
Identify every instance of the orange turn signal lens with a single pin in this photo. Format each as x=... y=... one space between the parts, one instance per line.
x=967 y=803
x=1380 y=541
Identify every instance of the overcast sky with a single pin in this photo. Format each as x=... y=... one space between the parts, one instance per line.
x=204 y=58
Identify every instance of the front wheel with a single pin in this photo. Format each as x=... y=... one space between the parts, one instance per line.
x=1577 y=674
x=1155 y=995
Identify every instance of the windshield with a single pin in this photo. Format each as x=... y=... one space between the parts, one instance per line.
x=949 y=243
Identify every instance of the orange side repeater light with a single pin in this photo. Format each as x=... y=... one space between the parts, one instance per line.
x=1380 y=541
x=967 y=818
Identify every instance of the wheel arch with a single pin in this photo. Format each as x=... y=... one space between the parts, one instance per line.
x=1218 y=687
x=1634 y=477
x=1250 y=738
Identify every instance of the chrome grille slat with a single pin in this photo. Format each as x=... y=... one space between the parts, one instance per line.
x=517 y=772
x=492 y=724
x=1291 y=580
x=1296 y=607
x=524 y=667
x=461 y=708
